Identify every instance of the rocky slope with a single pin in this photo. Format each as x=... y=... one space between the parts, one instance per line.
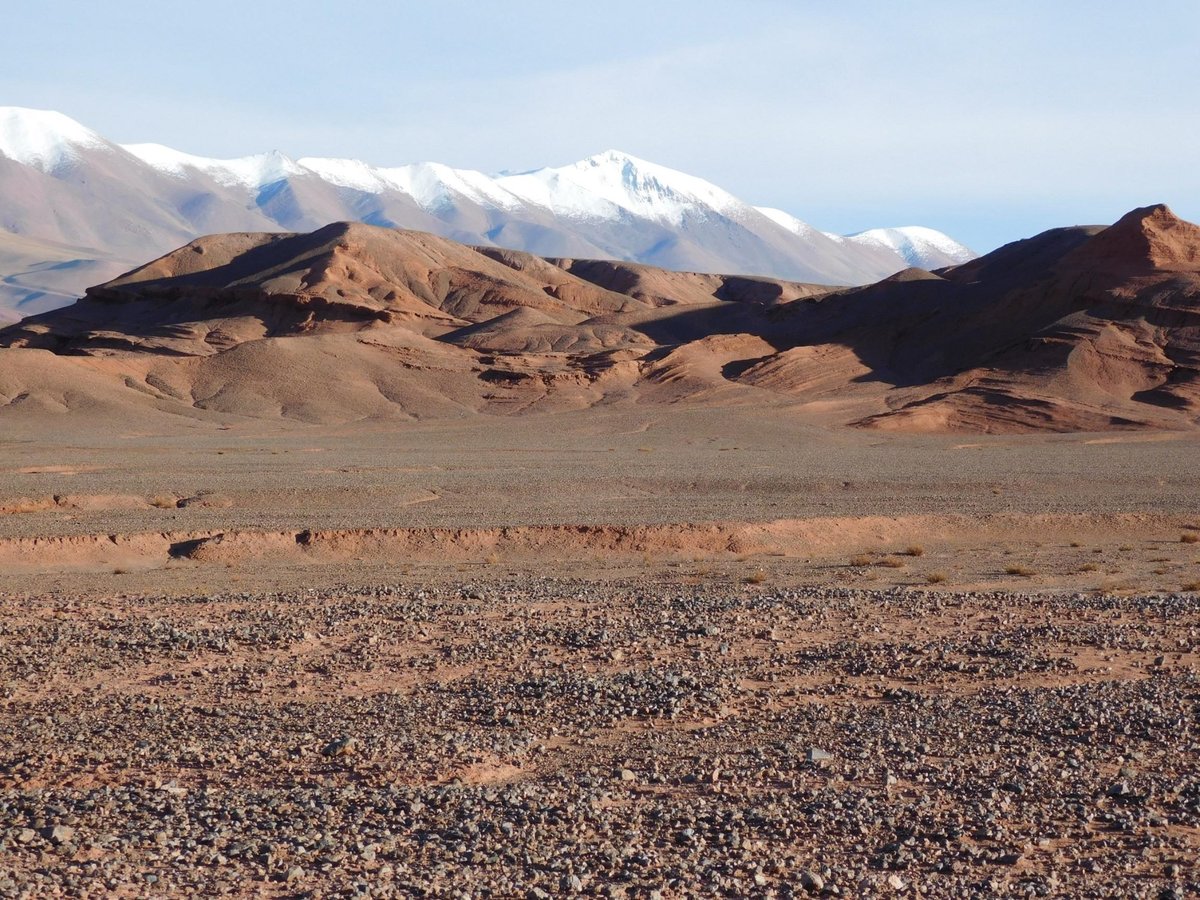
x=1076 y=329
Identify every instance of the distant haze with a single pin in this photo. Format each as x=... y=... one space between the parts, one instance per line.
x=989 y=122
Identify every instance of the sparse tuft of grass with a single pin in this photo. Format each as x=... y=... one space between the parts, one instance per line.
x=936 y=577
x=1189 y=537
x=892 y=562
x=492 y=558
x=915 y=550
x=120 y=571
x=165 y=501
x=1023 y=571
x=1089 y=567
x=1124 y=548
x=1190 y=586
x=861 y=560
x=1076 y=544
x=756 y=577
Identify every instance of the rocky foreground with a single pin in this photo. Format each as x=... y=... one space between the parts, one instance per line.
x=548 y=738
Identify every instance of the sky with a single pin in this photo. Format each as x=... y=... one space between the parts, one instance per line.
x=990 y=121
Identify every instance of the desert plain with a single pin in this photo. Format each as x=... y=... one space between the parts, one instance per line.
x=651 y=652
x=362 y=564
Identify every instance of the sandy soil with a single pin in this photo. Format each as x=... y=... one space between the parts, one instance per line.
x=677 y=487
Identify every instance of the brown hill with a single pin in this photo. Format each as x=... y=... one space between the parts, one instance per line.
x=356 y=322
x=221 y=291
x=1148 y=240
x=1074 y=329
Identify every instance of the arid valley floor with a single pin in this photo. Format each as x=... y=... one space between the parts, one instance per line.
x=645 y=652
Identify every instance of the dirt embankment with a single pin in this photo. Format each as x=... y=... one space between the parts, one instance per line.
x=811 y=537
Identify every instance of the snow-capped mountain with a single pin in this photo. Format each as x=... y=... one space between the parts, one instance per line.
x=922 y=247
x=613 y=185
x=97 y=205
x=45 y=140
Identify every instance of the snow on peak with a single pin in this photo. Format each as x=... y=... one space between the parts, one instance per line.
x=613 y=182
x=589 y=196
x=431 y=185
x=251 y=172
x=44 y=139
x=787 y=220
x=349 y=173
x=919 y=246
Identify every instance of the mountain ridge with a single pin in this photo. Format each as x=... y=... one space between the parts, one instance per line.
x=1075 y=329
x=65 y=184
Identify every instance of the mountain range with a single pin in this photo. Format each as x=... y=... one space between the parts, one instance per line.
x=77 y=209
x=1077 y=329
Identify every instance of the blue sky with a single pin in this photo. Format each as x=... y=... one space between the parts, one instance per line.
x=990 y=121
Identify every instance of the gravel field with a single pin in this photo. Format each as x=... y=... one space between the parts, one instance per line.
x=548 y=737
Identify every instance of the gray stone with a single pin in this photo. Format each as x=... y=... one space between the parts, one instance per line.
x=343 y=746
x=61 y=834
x=812 y=882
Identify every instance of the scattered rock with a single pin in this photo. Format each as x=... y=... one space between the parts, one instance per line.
x=343 y=746
x=60 y=834
x=536 y=808
x=812 y=882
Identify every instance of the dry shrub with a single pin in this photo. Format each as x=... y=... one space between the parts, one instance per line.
x=1189 y=537
x=1190 y=586
x=165 y=501
x=757 y=577
x=892 y=563
x=936 y=577
x=1089 y=567
x=915 y=550
x=1023 y=571
x=861 y=560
